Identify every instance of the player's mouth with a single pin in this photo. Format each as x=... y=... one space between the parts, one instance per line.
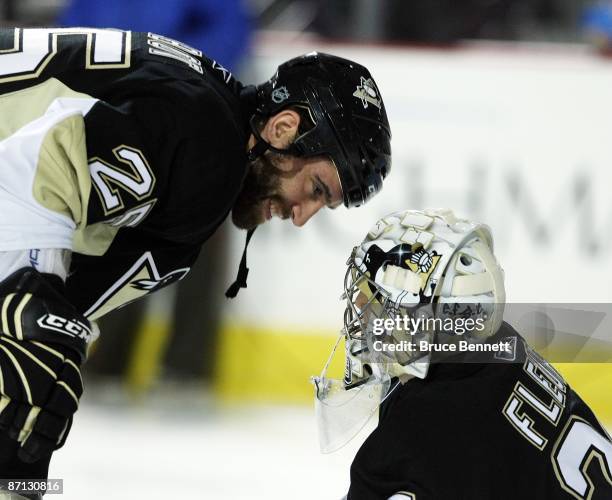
x=272 y=209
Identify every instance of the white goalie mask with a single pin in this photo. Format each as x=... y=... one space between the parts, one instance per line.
x=418 y=276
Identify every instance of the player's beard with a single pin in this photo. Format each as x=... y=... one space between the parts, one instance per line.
x=262 y=182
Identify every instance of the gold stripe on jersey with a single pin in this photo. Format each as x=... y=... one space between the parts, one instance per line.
x=142 y=278
x=23 y=106
x=62 y=184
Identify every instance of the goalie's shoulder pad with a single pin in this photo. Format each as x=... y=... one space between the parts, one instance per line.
x=33 y=307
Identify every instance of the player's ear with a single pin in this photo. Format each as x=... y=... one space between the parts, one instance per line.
x=281 y=128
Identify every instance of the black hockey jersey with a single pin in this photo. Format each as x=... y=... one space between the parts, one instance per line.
x=512 y=430
x=136 y=151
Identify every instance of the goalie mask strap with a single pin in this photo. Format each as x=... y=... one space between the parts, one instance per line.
x=243 y=270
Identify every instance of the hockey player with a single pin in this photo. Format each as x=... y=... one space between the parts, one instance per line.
x=467 y=409
x=120 y=154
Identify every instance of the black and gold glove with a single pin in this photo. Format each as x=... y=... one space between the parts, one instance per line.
x=43 y=341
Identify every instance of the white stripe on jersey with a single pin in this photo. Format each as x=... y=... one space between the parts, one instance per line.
x=45 y=260
x=25 y=223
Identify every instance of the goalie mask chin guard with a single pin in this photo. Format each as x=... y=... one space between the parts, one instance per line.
x=342 y=408
x=415 y=273
x=349 y=117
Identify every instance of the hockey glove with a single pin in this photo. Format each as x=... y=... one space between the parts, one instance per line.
x=43 y=343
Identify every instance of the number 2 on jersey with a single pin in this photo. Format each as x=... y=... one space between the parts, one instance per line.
x=578 y=445
x=108 y=179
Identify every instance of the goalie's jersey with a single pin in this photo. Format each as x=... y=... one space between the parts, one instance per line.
x=126 y=148
x=509 y=430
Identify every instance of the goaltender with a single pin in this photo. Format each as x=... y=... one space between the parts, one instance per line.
x=471 y=424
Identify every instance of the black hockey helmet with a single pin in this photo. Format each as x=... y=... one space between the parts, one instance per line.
x=350 y=121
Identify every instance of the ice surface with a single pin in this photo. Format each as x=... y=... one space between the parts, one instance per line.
x=171 y=449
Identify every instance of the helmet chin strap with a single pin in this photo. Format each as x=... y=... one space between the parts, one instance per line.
x=255 y=152
x=260 y=147
x=243 y=270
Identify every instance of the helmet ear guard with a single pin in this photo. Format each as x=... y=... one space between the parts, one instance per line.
x=489 y=281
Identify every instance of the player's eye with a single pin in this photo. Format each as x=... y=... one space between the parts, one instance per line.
x=317 y=191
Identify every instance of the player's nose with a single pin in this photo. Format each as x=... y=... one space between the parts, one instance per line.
x=302 y=212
